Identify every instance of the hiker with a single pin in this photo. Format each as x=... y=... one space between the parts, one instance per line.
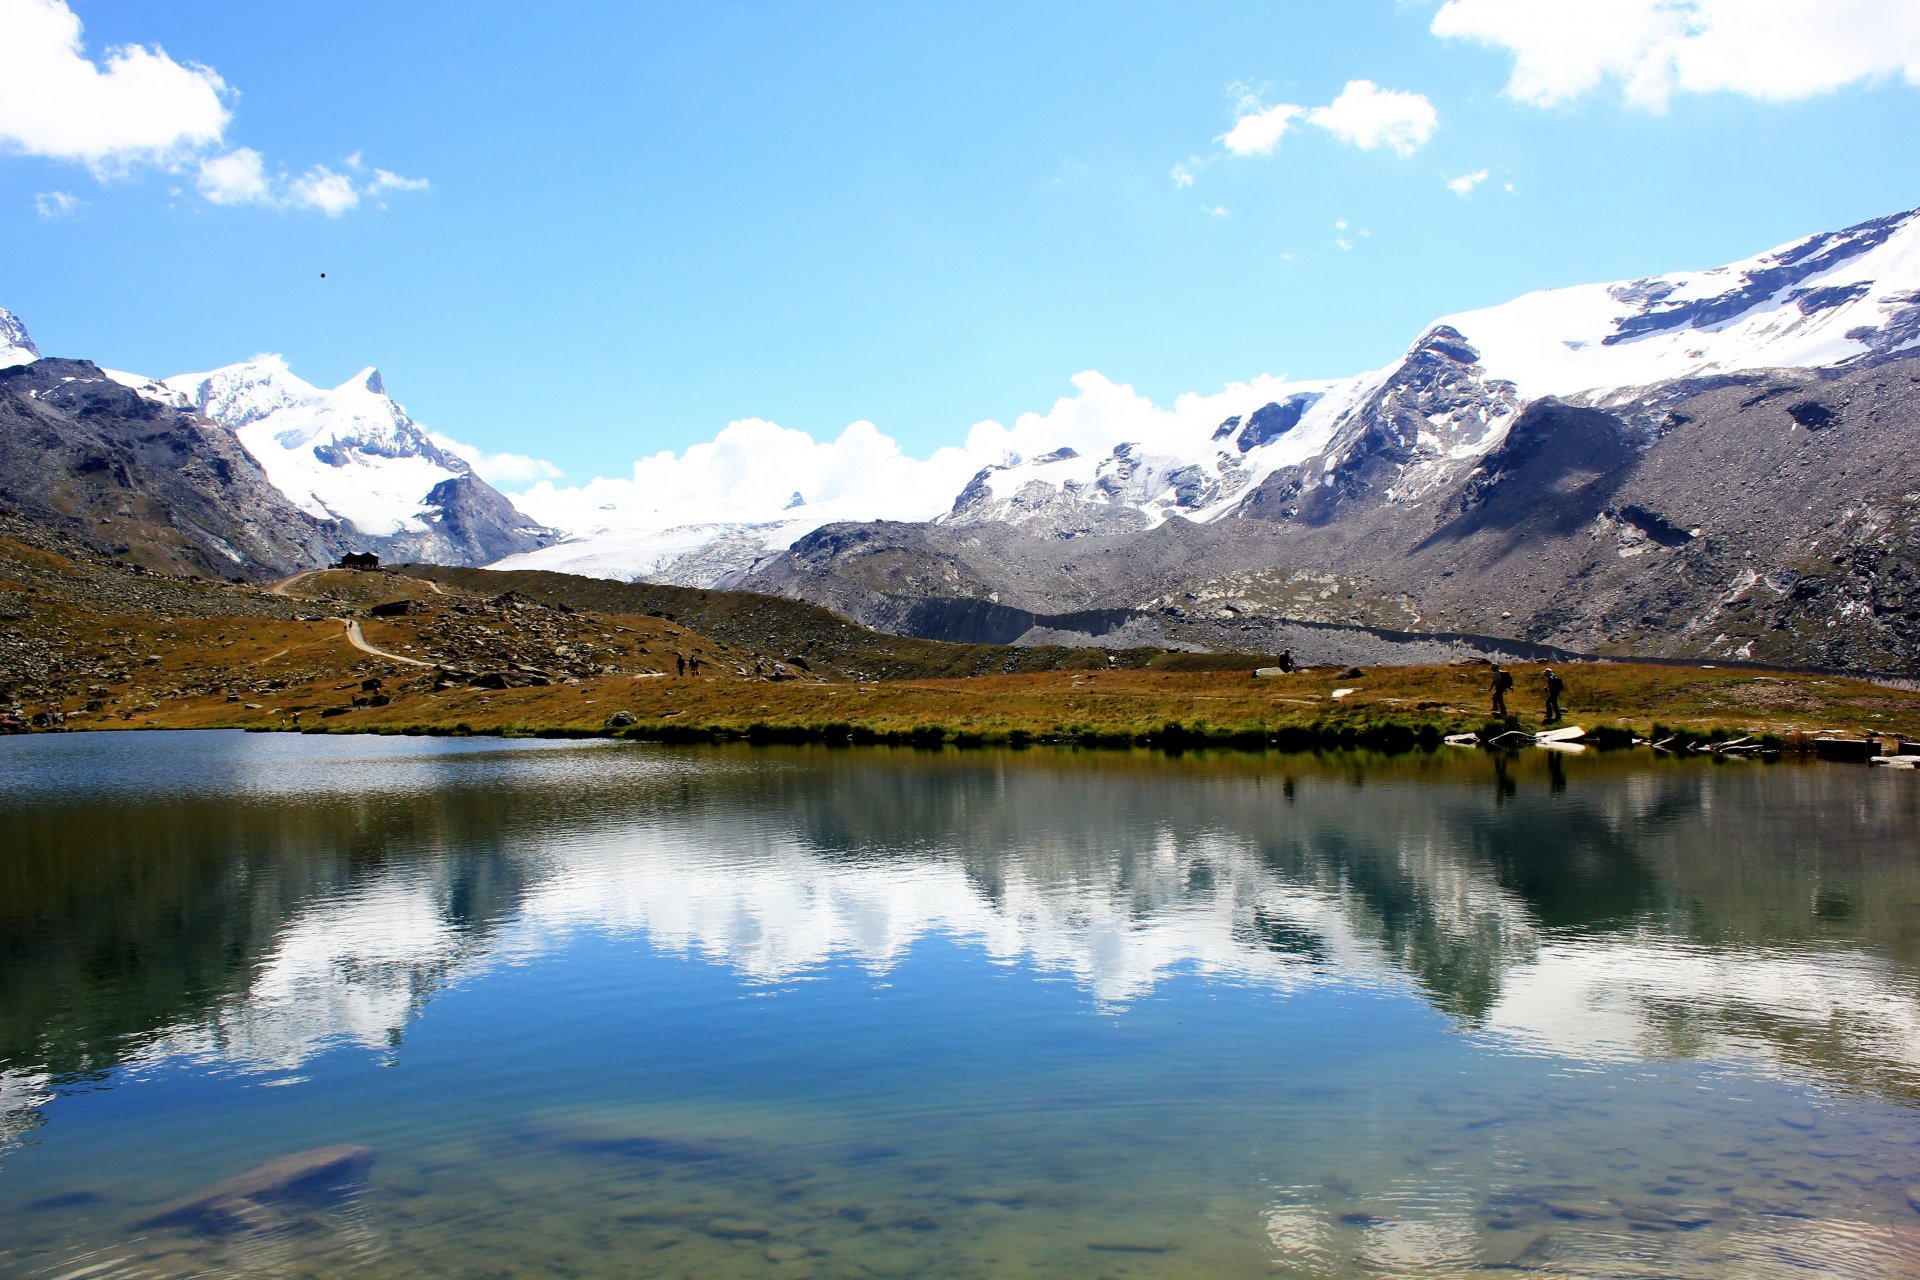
x=1286 y=659
x=680 y=661
x=1555 y=687
x=1502 y=681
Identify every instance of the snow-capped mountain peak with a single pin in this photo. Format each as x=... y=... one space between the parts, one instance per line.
x=1814 y=302
x=347 y=453
x=16 y=347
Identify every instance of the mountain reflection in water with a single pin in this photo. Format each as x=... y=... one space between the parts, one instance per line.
x=242 y=910
x=249 y=904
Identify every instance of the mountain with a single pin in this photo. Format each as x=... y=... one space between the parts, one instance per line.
x=154 y=484
x=1713 y=463
x=349 y=460
x=352 y=454
x=15 y=346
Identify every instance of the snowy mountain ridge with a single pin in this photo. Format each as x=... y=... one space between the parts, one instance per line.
x=1817 y=302
x=348 y=455
x=15 y=346
x=345 y=453
x=1401 y=433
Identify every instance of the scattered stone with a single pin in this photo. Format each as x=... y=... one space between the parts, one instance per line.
x=785 y=1252
x=621 y=719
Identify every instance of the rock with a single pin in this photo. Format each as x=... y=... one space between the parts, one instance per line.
x=620 y=720
x=238 y=1201
x=785 y=1253
x=737 y=1229
x=1352 y=673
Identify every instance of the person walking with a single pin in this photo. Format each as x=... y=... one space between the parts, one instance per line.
x=1502 y=681
x=1555 y=687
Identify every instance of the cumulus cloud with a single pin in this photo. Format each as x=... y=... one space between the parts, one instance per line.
x=1183 y=173
x=502 y=470
x=323 y=189
x=1463 y=185
x=55 y=204
x=1367 y=116
x=1364 y=116
x=1778 y=50
x=751 y=468
x=240 y=177
x=137 y=106
x=1259 y=129
x=235 y=177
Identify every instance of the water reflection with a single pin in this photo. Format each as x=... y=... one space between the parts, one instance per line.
x=815 y=1012
x=279 y=895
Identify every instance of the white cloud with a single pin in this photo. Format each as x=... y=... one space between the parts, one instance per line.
x=1185 y=171
x=235 y=177
x=1778 y=50
x=1463 y=185
x=1364 y=116
x=1259 y=129
x=1217 y=211
x=1368 y=116
x=748 y=471
x=139 y=105
x=323 y=189
x=386 y=181
x=55 y=204
x=502 y=470
x=240 y=177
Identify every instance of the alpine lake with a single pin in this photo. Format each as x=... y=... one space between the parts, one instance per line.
x=298 y=1005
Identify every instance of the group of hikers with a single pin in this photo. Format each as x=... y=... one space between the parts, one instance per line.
x=1503 y=681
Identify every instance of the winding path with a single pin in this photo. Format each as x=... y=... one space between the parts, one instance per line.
x=286 y=585
x=358 y=640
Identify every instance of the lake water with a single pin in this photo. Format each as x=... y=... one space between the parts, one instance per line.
x=621 y=1010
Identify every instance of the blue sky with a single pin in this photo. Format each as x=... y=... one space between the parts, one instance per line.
x=607 y=230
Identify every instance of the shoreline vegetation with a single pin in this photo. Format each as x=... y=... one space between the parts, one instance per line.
x=1387 y=709
x=433 y=653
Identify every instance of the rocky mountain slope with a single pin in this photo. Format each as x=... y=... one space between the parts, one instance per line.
x=1715 y=463
x=157 y=486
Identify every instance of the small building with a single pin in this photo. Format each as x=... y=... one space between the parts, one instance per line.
x=360 y=560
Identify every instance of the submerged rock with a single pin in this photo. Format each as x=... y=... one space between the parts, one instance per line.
x=240 y=1201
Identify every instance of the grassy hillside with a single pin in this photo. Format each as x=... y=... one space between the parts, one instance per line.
x=88 y=643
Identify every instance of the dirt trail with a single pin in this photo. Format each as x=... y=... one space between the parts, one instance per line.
x=358 y=640
x=285 y=586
